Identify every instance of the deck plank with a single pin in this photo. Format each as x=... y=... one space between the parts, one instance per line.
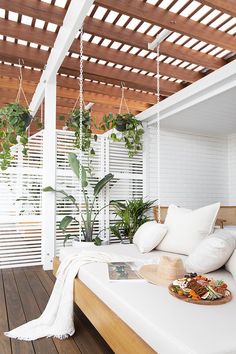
x=16 y=314
x=24 y=293
x=63 y=346
x=86 y=337
x=31 y=310
x=5 y=343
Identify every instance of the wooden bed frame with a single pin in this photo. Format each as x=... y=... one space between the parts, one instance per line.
x=119 y=336
x=226 y=215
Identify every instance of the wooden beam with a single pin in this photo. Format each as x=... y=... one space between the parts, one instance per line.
x=37 y=58
x=72 y=23
x=140 y=40
x=228 y=6
x=66 y=82
x=36 y=9
x=29 y=88
x=171 y=21
x=47 y=38
x=41 y=10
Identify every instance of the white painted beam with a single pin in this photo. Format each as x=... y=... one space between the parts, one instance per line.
x=213 y=84
x=49 y=175
x=73 y=21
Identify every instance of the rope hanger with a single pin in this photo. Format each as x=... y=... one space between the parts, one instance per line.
x=81 y=103
x=123 y=100
x=21 y=89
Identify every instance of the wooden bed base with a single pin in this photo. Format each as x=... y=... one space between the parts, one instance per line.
x=119 y=336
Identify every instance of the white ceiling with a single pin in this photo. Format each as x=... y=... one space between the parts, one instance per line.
x=215 y=116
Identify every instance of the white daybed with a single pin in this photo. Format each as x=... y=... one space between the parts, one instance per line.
x=166 y=324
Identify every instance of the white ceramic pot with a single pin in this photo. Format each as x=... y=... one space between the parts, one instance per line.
x=83 y=245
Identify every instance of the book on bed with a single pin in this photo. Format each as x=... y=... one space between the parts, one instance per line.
x=119 y=271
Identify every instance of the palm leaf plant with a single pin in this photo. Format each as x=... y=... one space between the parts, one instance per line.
x=130 y=215
x=14 y=120
x=130 y=130
x=88 y=220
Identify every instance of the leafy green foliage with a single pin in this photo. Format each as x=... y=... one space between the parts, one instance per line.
x=130 y=128
x=74 y=123
x=14 y=119
x=102 y=183
x=88 y=220
x=76 y=168
x=131 y=215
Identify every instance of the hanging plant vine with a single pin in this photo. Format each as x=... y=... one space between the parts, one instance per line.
x=14 y=121
x=126 y=127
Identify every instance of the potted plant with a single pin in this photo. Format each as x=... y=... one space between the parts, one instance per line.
x=132 y=214
x=130 y=130
x=88 y=220
x=14 y=120
x=73 y=123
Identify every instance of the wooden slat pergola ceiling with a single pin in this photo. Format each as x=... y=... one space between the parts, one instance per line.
x=116 y=34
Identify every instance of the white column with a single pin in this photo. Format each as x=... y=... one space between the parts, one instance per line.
x=49 y=175
x=146 y=190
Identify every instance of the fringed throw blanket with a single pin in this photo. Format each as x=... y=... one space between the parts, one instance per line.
x=57 y=318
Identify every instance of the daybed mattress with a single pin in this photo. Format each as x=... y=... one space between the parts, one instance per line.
x=168 y=325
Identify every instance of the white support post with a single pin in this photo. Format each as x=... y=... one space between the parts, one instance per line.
x=49 y=175
x=145 y=161
x=73 y=21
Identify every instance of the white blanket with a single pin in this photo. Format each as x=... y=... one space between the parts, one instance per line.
x=57 y=318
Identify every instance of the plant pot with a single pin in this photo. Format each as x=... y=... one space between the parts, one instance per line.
x=82 y=245
x=121 y=124
x=26 y=117
x=125 y=241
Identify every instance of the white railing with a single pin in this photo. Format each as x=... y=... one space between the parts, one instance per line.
x=21 y=194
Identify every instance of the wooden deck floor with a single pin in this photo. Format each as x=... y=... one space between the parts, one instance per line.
x=24 y=293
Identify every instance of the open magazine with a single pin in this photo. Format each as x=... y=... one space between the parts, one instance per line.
x=124 y=271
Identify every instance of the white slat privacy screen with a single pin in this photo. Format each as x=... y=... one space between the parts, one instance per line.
x=21 y=191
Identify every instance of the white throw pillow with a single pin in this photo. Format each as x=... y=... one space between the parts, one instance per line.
x=231 y=265
x=149 y=235
x=187 y=228
x=212 y=253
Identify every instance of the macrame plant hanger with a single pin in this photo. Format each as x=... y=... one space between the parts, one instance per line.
x=123 y=100
x=81 y=103
x=158 y=137
x=151 y=46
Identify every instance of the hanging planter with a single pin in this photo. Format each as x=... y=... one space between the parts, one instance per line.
x=73 y=123
x=126 y=128
x=121 y=122
x=14 y=120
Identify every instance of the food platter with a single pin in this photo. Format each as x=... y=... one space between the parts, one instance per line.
x=200 y=290
x=224 y=300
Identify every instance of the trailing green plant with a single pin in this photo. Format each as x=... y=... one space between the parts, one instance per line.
x=131 y=215
x=73 y=123
x=88 y=220
x=14 y=120
x=130 y=130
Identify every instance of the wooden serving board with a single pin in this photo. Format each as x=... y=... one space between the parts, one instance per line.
x=222 y=301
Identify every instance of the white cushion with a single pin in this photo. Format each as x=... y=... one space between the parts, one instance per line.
x=212 y=253
x=149 y=235
x=187 y=228
x=231 y=265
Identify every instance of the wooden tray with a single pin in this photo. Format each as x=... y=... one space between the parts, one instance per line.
x=222 y=301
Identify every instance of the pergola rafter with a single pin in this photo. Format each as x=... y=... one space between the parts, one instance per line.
x=116 y=46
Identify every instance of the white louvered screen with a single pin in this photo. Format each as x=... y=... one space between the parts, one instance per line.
x=128 y=176
x=20 y=207
x=21 y=192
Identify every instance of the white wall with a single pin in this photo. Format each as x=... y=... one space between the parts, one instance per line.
x=232 y=169
x=194 y=169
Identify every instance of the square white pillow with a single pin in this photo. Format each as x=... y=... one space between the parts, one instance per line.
x=231 y=265
x=149 y=235
x=187 y=228
x=212 y=253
